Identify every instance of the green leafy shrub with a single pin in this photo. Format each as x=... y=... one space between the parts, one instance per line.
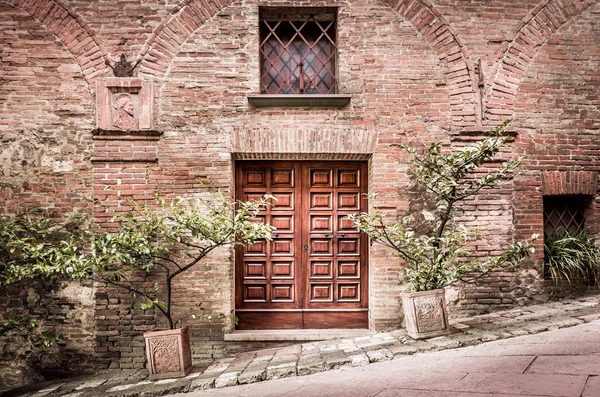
x=35 y=251
x=434 y=249
x=31 y=340
x=572 y=257
x=33 y=246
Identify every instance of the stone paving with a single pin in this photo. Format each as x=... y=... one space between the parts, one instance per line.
x=314 y=357
x=558 y=363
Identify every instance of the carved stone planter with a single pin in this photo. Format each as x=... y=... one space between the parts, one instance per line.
x=168 y=353
x=425 y=314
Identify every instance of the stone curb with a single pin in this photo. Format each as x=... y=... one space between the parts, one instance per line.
x=314 y=357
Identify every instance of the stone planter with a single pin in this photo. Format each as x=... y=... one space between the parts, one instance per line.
x=169 y=353
x=425 y=314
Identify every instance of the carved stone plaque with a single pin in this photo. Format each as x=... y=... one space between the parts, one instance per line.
x=429 y=314
x=124 y=104
x=165 y=354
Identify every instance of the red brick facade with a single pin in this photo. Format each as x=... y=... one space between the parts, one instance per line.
x=417 y=71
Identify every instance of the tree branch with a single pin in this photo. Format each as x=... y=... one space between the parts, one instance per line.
x=198 y=258
x=394 y=246
x=130 y=288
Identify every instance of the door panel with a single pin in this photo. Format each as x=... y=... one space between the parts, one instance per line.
x=334 y=319
x=266 y=271
x=313 y=274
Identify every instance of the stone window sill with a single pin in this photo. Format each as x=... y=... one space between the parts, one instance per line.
x=299 y=100
x=100 y=133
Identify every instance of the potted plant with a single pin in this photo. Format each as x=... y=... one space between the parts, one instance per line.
x=433 y=246
x=572 y=257
x=160 y=243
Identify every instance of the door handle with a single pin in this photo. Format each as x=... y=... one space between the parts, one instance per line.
x=305 y=247
x=342 y=235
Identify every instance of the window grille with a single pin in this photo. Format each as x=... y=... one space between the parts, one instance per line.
x=298 y=51
x=563 y=214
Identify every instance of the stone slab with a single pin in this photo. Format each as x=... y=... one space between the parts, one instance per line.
x=404 y=377
x=471 y=364
x=294 y=335
x=565 y=348
x=227 y=379
x=252 y=376
x=592 y=387
x=529 y=384
x=91 y=383
x=433 y=393
x=572 y=365
x=380 y=355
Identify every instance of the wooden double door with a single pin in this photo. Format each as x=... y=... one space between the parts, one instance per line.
x=314 y=272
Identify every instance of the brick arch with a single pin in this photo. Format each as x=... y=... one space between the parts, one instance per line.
x=163 y=44
x=529 y=35
x=77 y=37
x=436 y=31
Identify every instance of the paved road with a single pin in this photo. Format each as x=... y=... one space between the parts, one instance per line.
x=564 y=362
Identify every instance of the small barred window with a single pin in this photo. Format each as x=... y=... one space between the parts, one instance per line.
x=298 y=50
x=563 y=214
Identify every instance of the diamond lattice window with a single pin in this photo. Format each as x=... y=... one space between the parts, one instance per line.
x=563 y=214
x=298 y=51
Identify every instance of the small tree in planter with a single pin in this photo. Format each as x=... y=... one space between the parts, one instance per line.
x=152 y=246
x=434 y=249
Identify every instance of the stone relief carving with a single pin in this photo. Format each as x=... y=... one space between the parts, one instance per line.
x=429 y=314
x=124 y=117
x=165 y=355
x=125 y=105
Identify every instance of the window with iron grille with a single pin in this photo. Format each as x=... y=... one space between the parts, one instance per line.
x=563 y=214
x=298 y=50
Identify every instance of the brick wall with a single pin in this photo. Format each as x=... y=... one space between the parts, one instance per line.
x=558 y=120
x=46 y=116
x=412 y=68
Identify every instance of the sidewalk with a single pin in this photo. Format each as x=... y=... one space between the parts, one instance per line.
x=314 y=357
x=559 y=363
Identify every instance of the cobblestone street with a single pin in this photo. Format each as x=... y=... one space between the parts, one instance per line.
x=314 y=357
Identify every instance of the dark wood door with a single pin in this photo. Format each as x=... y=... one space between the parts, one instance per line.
x=314 y=272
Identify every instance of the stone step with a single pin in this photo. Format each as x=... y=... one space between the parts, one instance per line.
x=295 y=335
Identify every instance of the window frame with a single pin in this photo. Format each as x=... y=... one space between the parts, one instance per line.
x=331 y=98
x=294 y=35
x=580 y=202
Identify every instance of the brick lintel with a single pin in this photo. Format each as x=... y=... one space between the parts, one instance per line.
x=558 y=183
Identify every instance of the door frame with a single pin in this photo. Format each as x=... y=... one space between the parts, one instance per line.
x=301 y=315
